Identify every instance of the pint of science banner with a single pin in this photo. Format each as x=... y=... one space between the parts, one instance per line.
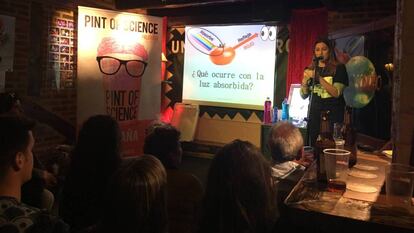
x=119 y=70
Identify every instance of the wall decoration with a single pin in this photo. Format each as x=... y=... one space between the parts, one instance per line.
x=61 y=63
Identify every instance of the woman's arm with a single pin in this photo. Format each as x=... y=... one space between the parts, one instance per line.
x=329 y=88
x=340 y=80
x=304 y=89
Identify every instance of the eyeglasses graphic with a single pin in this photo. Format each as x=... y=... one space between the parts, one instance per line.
x=111 y=65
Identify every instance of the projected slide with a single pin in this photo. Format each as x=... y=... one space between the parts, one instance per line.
x=229 y=66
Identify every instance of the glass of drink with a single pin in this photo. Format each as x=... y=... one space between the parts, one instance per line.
x=308 y=154
x=399 y=184
x=337 y=136
x=337 y=131
x=339 y=143
x=336 y=165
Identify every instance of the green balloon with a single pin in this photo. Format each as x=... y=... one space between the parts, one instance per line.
x=360 y=69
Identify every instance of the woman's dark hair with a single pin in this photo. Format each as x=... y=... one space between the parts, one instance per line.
x=97 y=151
x=332 y=62
x=94 y=159
x=136 y=198
x=240 y=194
x=163 y=141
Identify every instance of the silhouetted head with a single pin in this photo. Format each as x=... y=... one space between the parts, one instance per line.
x=163 y=141
x=135 y=200
x=10 y=103
x=16 y=144
x=240 y=195
x=97 y=151
x=95 y=158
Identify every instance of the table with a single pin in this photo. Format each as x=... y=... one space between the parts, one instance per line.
x=312 y=208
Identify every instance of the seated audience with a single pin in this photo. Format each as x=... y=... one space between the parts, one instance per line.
x=16 y=164
x=286 y=146
x=95 y=158
x=240 y=194
x=34 y=191
x=184 y=189
x=136 y=198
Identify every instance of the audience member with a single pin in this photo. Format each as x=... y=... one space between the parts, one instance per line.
x=34 y=191
x=240 y=194
x=163 y=141
x=95 y=158
x=136 y=198
x=16 y=164
x=184 y=189
x=286 y=143
x=10 y=103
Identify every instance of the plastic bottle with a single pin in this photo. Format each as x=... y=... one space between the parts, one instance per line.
x=285 y=110
x=267 y=111
x=274 y=117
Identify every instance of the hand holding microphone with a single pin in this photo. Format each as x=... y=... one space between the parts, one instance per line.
x=309 y=74
x=307 y=77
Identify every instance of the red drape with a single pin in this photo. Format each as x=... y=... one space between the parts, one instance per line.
x=305 y=27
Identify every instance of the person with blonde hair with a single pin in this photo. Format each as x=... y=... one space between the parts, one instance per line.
x=135 y=200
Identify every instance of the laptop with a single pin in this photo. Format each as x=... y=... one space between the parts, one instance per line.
x=298 y=107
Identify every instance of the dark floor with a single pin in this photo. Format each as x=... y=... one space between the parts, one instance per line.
x=197 y=166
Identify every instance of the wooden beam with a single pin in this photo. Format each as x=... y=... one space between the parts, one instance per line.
x=361 y=29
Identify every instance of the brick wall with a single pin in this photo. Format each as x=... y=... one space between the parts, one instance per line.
x=37 y=89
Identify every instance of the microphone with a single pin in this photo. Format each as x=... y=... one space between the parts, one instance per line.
x=311 y=82
x=318 y=58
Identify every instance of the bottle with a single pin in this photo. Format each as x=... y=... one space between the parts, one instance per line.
x=285 y=110
x=274 y=117
x=348 y=133
x=267 y=111
x=323 y=141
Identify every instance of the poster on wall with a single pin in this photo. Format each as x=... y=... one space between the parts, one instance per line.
x=7 y=25
x=350 y=46
x=61 y=52
x=119 y=70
